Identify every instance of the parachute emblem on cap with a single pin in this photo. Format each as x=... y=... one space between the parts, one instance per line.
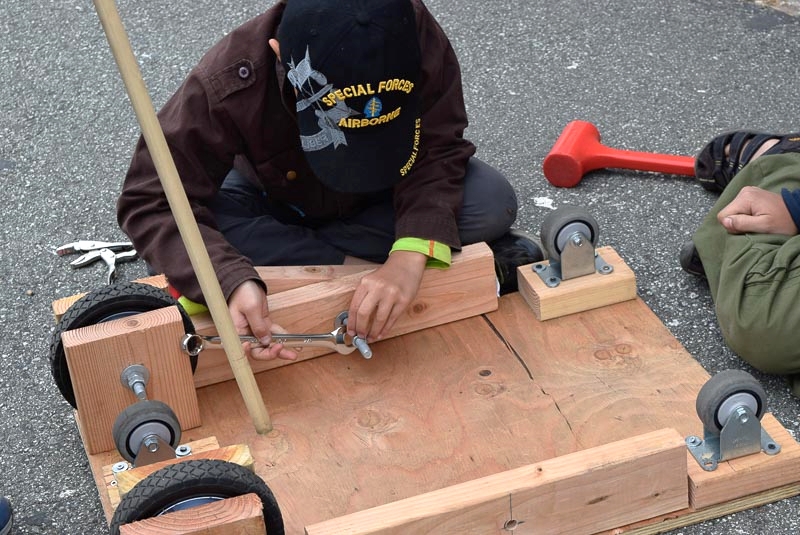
x=373 y=108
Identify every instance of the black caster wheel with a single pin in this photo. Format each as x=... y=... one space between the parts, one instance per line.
x=140 y=420
x=724 y=393
x=106 y=304
x=192 y=483
x=561 y=224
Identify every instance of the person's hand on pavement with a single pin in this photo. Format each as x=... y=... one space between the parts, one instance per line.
x=250 y=314
x=384 y=294
x=755 y=210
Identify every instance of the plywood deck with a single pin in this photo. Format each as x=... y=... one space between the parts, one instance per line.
x=461 y=401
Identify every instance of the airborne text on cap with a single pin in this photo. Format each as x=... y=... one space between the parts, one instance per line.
x=349 y=122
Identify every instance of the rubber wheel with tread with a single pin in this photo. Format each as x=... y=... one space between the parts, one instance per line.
x=104 y=304
x=201 y=480
x=723 y=392
x=141 y=419
x=561 y=219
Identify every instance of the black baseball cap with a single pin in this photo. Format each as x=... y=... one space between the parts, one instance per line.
x=356 y=67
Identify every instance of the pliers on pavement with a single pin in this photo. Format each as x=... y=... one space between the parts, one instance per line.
x=108 y=252
x=84 y=246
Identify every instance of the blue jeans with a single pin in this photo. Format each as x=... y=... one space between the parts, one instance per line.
x=271 y=234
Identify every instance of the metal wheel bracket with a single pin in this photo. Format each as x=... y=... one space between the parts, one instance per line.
x=577 y=260
x=154 y=449
x=741 y=435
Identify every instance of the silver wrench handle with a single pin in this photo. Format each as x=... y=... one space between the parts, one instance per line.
x=338 y=340
x=329 y=340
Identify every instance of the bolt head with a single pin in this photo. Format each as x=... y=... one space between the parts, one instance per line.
x=741 y=415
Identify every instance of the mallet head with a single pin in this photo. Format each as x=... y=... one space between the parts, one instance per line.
x=571 y=155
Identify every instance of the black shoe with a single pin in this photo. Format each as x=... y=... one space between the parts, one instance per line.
x=690 y=260
x=715 y=169
x=511 y=250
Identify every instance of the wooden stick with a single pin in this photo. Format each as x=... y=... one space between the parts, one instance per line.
x=181 y=211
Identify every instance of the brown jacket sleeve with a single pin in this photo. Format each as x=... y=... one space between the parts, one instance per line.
x=203 y=145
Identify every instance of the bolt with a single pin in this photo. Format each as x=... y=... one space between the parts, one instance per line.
x=741 y=414
x=151 y=443
x=363 y=347
x=138 y=389
x=577 y=240
x=135 y=377
x=183 y=450
x=692 y=441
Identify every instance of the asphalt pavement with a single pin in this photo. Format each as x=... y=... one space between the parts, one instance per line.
x=653 y=76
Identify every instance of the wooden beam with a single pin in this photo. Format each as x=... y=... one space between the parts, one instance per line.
x=282 y=278
x=578 y=294
x=98 y=354
x=467 y=288
x=277 y=278
x=690 y=516
x=576 y=494
x=241 y=515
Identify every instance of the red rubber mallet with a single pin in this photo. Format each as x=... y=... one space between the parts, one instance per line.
x=578 y=151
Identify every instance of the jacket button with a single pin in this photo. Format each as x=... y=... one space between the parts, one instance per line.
x=291 y=175
x=244 y=72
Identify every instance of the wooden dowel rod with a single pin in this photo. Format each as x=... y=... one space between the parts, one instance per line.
x=181 y=211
